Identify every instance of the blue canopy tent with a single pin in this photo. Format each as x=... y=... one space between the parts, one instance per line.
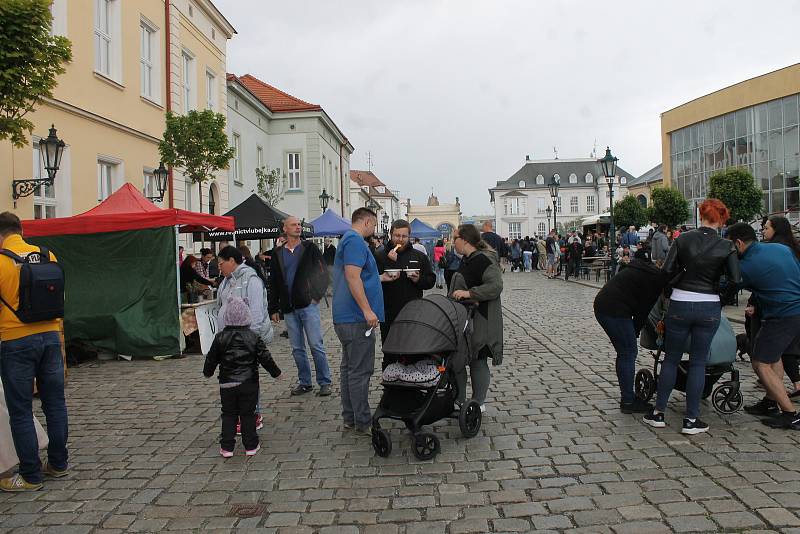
x=330 y=224
x=423 y=231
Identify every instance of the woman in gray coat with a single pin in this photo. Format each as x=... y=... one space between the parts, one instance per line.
x=479 y=279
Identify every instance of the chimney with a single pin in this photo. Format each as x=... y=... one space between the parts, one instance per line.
x=527 y=157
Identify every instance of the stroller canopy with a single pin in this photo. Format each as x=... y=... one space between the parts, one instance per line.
x=432 y=324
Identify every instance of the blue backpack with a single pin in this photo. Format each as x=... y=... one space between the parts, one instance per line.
x=41 y=287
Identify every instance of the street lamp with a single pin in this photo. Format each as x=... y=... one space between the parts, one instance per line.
x=385 y=220
x=609 y=164
x=555 y=182
x=323 y=200
x=51 y=149
x=549 y=211
x=374 y=206
x=161 y=174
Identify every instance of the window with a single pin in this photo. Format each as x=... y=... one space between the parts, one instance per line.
x=516 y=206
x=573 y=178
x=44 y=196
x=590 y=203
x=150 y=188
x=540 y=180
x=514 y=230
x=187 y=192
x=211 y=90
x=589 y=178
x=293 y=165
x=237 y=158
x=58 y=8
x=542 y=228
x=522 y=183
x=102 y=36
x=106 y=174
x=540 y=205
x=558 y=204
x=573 y=202
x=259 y=156
x=187 y=74
x=149 y=61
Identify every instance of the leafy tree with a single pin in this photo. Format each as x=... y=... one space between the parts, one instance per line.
x=669 y=207
x=737 y=188
x=30 y=61
x=197 y=143
x=270 y=184
x=629 y=211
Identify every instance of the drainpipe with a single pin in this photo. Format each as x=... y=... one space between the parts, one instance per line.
x=341 y=179
x=168 y=76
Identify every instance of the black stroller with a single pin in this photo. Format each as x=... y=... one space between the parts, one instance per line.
x=726 y=397
x=438 y=328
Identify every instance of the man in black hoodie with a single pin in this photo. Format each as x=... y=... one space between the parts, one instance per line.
x=408 y=284
x=298 y=280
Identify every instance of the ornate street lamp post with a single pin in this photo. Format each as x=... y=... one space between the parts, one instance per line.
x=385 y=221
x=555 y=182
x=549 y=211
x=51 y=149
x=161 y=174
x=609 y=164
x=324 y=198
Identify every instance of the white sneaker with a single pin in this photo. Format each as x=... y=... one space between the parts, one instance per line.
x=253 y=452
x=483 y=408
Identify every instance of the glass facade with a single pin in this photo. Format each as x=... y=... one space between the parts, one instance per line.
x=763 y=138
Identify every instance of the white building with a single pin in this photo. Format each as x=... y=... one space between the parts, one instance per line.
x=272 y=129
x=520 y=202
x=366 y=186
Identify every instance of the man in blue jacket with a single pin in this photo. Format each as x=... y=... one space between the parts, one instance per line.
x=772 y=272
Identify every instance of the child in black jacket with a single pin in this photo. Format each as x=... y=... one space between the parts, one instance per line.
x=238 y=351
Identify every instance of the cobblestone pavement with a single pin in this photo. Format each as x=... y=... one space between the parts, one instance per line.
x=554 y=453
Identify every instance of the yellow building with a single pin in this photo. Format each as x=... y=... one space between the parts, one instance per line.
x=753 y=124
x=109 y=105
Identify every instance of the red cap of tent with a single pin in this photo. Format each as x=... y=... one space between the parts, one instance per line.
x=127 y=209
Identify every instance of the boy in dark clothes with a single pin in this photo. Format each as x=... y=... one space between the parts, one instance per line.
x=238 y=351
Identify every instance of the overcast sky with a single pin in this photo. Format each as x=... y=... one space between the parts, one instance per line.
x=453 y=94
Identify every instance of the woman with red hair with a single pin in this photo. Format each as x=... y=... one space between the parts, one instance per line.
x=695 y=263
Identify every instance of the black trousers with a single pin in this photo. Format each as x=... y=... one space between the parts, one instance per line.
x=239 y=404
x=448 y=275
x=387 y=359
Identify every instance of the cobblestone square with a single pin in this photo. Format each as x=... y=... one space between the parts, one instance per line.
x=554 y=453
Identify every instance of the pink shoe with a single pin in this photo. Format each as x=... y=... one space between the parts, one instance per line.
x=226 y=454
x=259 y=422
x=252 y=452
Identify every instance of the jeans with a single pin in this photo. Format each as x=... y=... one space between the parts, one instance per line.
x=526 y=260
x=358 y=364
x=239 y=404
x=439 y=276
x=307 y=320
x=21 y=360
x=699 y=320
x=622 y=333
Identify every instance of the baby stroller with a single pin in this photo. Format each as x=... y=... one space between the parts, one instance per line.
x=726 y=397
x=431 y=339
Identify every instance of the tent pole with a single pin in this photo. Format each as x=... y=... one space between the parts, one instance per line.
x=178 y=285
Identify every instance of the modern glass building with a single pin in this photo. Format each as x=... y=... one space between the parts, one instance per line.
x=763 y=136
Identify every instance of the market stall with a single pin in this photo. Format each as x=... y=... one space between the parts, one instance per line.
x=255 y=219
x=120 y=265
x=330 y=224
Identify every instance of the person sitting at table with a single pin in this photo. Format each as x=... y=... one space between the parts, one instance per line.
x=589 y=248
x=189 y=275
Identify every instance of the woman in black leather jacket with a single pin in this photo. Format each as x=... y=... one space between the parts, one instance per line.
x=694 y=265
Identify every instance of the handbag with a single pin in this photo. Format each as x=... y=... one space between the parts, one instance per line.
x=675 y=280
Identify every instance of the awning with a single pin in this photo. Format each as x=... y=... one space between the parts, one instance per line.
x=330 y=224
x=424 y=231
x=603 y=218
x=255 y=219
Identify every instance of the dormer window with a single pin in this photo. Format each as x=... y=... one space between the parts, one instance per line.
x=573 y=178
x=522 y=183
x=589 y=178
x=540 y=180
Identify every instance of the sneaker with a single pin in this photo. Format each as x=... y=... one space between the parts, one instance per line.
x=483 y=408
x=693 y=427
x=284 y=334
x=786 y=420
x=636 y=406
x=325 y=390
x=226 y=454
x=17 y=484
x=763 y=407
x=238 y=428
x=365 y=430
x=656 y=420
x=300 y=389
x=348 y=426
x=253 y=452
x=259 y=422
x=51 y=471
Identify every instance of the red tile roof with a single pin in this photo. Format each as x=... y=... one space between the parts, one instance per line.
x=276 y=100
x=363 y=178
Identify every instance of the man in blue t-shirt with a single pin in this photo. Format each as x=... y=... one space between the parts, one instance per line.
x=357 y=310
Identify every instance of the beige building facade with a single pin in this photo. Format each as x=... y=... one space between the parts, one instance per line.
x=110 y=104
x=753 y=124
x=443 y=217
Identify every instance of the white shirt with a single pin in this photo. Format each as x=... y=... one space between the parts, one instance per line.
x=692 y=296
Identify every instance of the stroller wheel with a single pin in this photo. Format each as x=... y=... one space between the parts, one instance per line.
x=381 y=442
x=425 y=446
x=469 y=419
x=644 y=385
x=727 y=399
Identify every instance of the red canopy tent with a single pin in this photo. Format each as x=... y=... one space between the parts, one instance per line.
x=119 y=262
x=127 y=209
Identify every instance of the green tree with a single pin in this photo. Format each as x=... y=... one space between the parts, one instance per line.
x=196 y=143
x=669 y=207
x=30 y=61
x=629 y=212
x=270 y=184
x=737 y=188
